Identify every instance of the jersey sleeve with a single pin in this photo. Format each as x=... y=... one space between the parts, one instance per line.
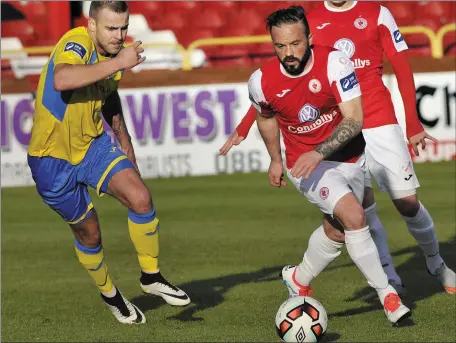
x=256 y=94
x=390 y=36
x=74 y=49
x=342 y=77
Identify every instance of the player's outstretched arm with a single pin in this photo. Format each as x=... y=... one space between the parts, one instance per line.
x=74 y=76
x=241 y=131
x=113 y=114
x=350 y=126
x=246 y=123
x=414 y=130
x=394 y=46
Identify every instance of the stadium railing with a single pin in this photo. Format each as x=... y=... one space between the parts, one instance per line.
x=439 y=38
x=48 y=49
x=435 y=40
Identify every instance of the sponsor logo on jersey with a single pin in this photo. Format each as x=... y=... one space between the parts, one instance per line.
x=285 y=91
x=346 y=46
x=359 y=63
x=348 y=82
x=397 y=36
x=322 y=26
x=314 y=86
x=77 y=48
x=320 y=121
x=308 y=113
x=360 y=23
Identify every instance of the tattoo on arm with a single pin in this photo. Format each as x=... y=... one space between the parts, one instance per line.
x=118 y=126
x=344 y=132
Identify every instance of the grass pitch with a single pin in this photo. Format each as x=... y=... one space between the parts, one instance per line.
x=224 y=240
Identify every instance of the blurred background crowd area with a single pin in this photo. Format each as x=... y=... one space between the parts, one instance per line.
x=167 y=28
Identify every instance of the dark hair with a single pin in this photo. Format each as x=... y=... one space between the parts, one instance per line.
x=115 y=6
x=290 y=15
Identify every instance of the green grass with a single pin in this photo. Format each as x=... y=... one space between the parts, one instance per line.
x=223 y=240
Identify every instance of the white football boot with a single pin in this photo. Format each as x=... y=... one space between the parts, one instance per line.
x=399 y=287
x=294 y=288
x=156 y=284
x=446 y=277
x=395 y=310
x=124 y=311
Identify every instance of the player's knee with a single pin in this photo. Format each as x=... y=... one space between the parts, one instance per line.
x=354 y=219
x=408 y=206
x=93 y=239
x=350 y=213
x=142 y=202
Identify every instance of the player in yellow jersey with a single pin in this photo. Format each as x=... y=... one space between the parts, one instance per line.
x=69 y=151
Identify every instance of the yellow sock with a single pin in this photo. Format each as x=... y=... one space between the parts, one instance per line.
x=144 y=235
x=93 y=261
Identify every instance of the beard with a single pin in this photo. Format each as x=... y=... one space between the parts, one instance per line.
x=299 y=68
x=109 y=51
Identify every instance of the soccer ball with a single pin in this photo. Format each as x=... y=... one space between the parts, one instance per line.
x=301 y=319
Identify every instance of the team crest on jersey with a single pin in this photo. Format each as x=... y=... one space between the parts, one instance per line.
x=346 y=46
x=308 y=113
x=360 y=23
x=314 y=86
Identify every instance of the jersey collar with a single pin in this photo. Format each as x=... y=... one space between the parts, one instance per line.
x=332 y=9
x=304 y=72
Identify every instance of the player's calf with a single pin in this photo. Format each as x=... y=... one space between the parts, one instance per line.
x=421 y=227
x=364 y=253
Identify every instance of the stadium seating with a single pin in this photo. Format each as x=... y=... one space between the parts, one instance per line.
x=192 y=20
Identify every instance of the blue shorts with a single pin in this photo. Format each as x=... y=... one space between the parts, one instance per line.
x=63 y=186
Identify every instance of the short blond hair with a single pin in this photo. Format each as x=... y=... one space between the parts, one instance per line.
x=115 y=6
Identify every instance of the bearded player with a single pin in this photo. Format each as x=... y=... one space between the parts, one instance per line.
x=311 y=95
x=69 y=151
x=365 y=31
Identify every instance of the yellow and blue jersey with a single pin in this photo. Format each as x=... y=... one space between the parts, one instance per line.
x=65 y=123
x=68 y=150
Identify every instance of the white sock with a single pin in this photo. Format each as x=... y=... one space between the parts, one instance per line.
x=378 y=234
x=364 y=253
x=421 y=227
x=382 y=293
x=320 y=252
x=111 y=293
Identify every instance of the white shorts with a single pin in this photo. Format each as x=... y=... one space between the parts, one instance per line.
x=388 y=161
x=330 y=181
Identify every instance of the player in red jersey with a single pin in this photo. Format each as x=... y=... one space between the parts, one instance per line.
x=365 y=31
x=312 y=95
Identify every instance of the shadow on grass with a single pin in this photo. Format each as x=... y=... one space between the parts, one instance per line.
x=419 y=284
x=208 y=293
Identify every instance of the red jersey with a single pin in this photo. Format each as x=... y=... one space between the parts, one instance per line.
x=306 y=105
x=364 y=32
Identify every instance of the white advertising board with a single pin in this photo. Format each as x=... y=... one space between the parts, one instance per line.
x=177 y=131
